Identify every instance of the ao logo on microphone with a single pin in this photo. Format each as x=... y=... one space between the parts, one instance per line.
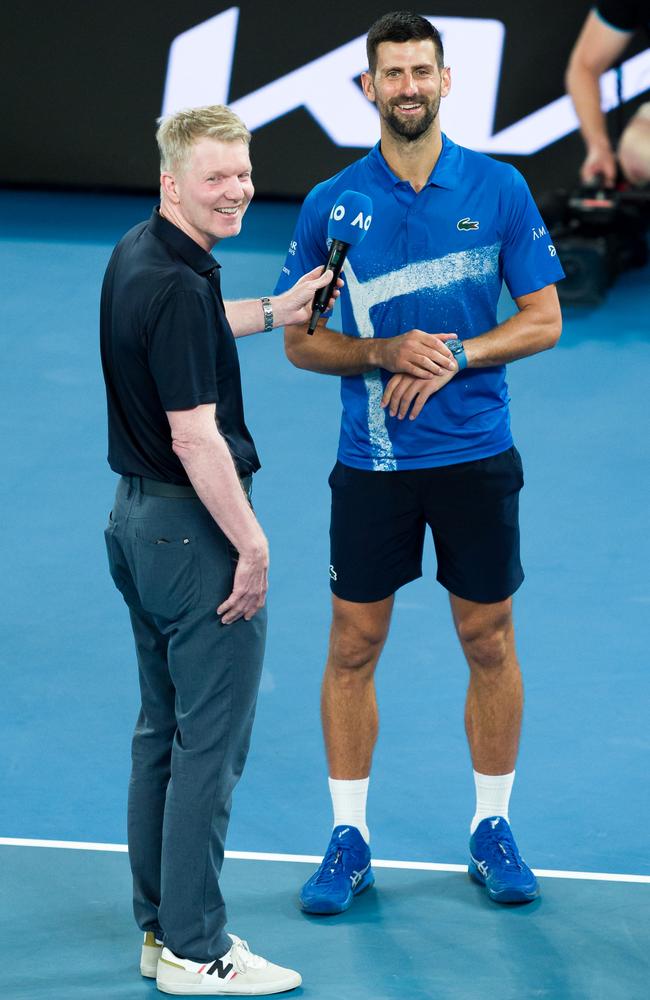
x=360 y=220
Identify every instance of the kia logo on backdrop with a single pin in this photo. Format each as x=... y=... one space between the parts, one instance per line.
x=200 y=66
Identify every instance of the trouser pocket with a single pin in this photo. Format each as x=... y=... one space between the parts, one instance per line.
x=166 y=571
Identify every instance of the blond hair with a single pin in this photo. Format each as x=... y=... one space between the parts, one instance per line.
x=177 y=133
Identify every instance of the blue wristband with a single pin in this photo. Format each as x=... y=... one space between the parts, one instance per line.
x=458 y=351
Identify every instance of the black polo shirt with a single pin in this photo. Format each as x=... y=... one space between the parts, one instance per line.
x=166 y=344
x=626 y=15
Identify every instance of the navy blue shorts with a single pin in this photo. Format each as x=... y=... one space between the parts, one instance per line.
x=379 y=521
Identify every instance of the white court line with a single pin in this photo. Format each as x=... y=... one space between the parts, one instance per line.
x=311 y=859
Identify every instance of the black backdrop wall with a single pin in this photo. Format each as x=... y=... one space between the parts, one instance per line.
x=84 y=83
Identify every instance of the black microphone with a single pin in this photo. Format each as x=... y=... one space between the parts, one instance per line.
x=349 y=222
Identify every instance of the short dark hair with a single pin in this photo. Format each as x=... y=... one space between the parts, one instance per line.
x=401 y=26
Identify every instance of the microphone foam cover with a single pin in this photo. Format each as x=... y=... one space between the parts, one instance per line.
x=350 y=217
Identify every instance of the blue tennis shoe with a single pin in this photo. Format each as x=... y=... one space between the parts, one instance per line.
x=496 y=863
x=344 y=872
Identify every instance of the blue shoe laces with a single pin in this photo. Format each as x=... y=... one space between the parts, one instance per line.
x=506 y=845
x=331 y=864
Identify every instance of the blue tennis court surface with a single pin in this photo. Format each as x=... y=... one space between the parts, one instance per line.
x=581 y=799
x=418 y=935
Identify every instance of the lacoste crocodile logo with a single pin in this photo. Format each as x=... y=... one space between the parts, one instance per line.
x=466 y=223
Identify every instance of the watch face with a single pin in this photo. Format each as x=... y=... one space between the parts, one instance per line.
x=458 y=351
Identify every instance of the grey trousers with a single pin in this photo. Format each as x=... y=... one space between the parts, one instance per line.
x=198 y=682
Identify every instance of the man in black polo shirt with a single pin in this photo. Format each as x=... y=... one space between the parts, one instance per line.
x=184 y=546
x=605 y=35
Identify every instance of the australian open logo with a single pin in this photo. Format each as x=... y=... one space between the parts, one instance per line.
x=360 y=220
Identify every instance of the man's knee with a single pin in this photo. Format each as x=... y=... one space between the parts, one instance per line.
x=634 y=147
x=357 y=638
x=487 y=636
x=354 y=651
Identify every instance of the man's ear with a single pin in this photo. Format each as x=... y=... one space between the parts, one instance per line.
x=169 y=188
x=445 y=81
x=368 y=86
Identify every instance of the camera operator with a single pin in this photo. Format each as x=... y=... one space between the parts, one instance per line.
x=603 y=39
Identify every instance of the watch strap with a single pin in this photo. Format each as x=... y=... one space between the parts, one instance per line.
x=267 y=309
x=458 y=351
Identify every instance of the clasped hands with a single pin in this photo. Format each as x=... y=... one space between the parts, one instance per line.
x=422 y=365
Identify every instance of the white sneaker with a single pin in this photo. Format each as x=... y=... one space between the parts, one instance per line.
x=150 y=954
x=238 y=973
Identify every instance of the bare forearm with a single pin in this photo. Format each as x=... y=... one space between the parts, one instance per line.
x=583 y=84
x=527 y=332
x=213 y=475
x=293 y=306
x=246 y=316
x=330 y=352
x=597 y=47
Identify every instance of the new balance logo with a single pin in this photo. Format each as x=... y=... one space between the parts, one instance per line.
x=221 y=970
x=466 y=224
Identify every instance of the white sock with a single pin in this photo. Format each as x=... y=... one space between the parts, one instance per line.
x=349 y=803
x=492 y=796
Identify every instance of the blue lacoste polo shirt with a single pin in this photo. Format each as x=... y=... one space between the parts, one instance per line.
x=435 y=261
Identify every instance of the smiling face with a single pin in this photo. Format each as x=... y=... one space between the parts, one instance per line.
x=208 y=196
x=407 y=87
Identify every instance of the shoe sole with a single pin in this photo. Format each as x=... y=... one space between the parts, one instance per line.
x=326 y=909
x=184 y=989
x=507 y=895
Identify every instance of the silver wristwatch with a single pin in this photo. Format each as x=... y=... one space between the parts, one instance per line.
x=267 y=309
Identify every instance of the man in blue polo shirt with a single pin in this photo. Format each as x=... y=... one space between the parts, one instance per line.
x=425 y=435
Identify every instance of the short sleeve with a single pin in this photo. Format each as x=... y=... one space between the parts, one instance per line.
x=183 y=348
x=308 y=246
x=624 y=15
x=528 y=256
